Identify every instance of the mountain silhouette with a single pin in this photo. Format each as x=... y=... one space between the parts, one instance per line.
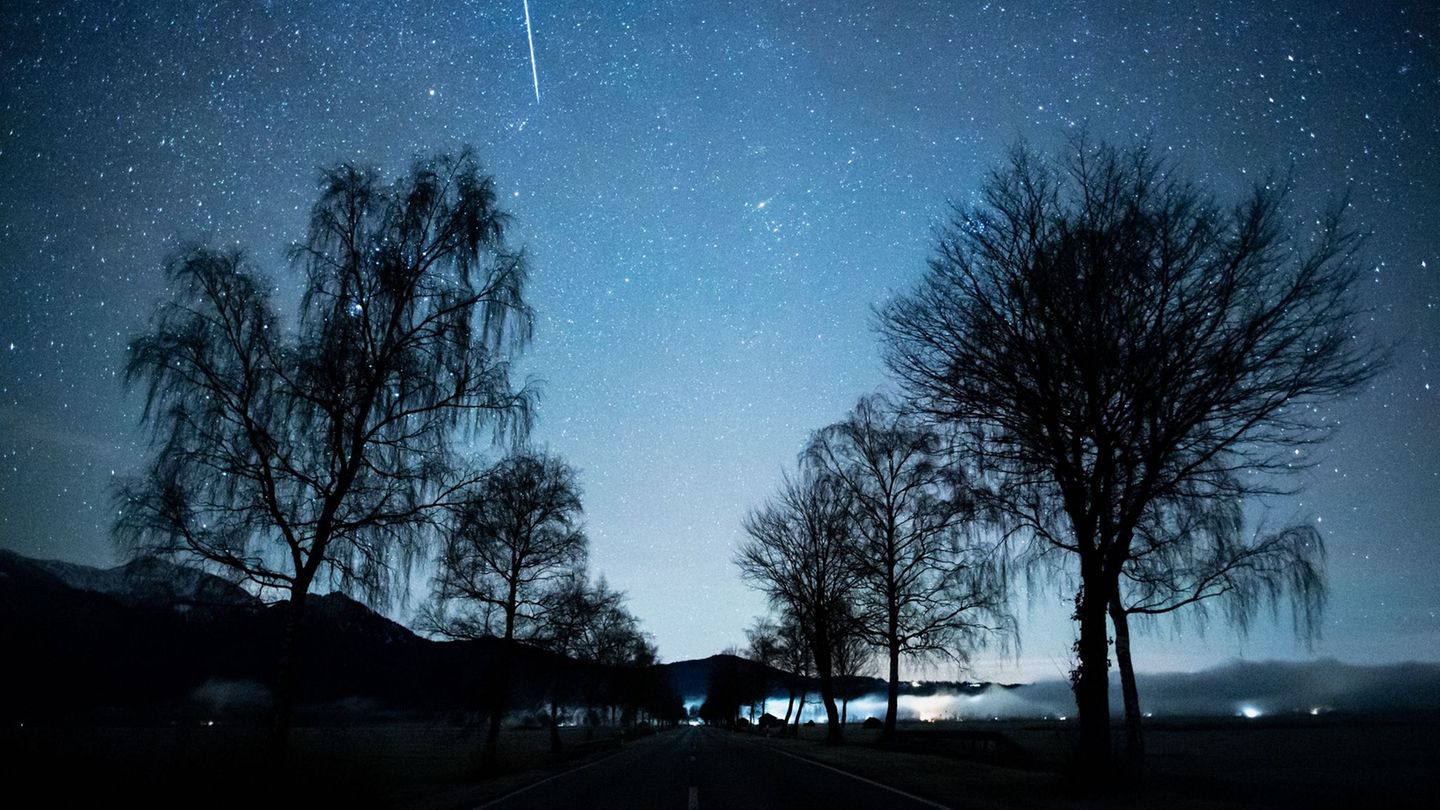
x=152 y=640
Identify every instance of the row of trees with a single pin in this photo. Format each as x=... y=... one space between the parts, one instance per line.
x=1105 y=366
x=323 y=449
x=513 y=568
x=870 y=543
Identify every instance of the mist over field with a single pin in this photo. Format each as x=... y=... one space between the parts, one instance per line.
x=1240 y=688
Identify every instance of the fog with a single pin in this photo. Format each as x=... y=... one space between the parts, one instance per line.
x=1249 y=689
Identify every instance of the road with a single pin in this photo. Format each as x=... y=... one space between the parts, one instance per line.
x=705 y=768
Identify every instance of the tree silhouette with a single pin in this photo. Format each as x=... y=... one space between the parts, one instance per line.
x=852 y=658
x=571 y=609
x=589 y=624
x=1102 y=334
x=798 y=554
x=765 y=646
x=1195 y=554
x=290 y=453
x=797 y=660
x=922 y=589
x=613 y=639
x=780 y=643
x=515 y=535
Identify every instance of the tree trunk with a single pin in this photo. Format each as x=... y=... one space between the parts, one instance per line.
x=844 y=711
x=799 y=710
x=556 y=746
x=287 y=676
x=892 y=694
x=790 y=706
x=833 y=732
x=1091 y=681
x=500 y=692
x=490 y=755
x=1134 y=733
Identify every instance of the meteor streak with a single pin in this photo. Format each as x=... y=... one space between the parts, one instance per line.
x=530 y=37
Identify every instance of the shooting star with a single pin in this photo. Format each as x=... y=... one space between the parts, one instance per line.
x=530 y=37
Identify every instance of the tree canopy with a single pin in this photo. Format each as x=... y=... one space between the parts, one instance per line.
x=1104 y=336
x=285 y=451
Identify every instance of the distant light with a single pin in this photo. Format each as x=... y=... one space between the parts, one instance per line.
x=1063 y=717
x=915 y=684
x=1314 y=712
x=209 y=723
x=1249 y=712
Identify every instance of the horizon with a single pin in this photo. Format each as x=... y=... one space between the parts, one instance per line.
x=918 y=677
x=710 y=220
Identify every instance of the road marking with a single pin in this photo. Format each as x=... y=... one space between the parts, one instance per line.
x=897 y=791
x=694 y=799
x=512 y=794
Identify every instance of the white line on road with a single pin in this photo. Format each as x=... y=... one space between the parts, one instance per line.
x=694 y=803
x=512 y=794
x=911 y=796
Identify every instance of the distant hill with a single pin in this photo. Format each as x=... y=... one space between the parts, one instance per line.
x=152 y=639
x=148 y=581
x=159 y=640
x=692 y=679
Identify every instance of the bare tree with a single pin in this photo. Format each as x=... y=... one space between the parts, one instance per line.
x=571 y=607
x=1196 y=554
x=762 y=642
x=614 y=639
x=852 y=657
x=1101 y=333
x=781 y=643
x=764 y=647
x=515 y=536
x=589 y=624
x=924 y=589
x=798 y=554
x=290 y=453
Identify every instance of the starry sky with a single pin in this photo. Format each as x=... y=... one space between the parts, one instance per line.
x=713 y=196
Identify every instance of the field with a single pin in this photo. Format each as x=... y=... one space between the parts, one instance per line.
x=420 y=765
x=1198 y=763
x=1201 y=762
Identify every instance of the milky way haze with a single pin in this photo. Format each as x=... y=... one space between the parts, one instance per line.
x=713 y=196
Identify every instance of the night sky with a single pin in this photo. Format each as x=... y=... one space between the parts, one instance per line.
x=713 y=195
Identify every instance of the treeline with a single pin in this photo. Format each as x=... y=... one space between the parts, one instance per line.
x=326 y=448
x=178 y=646
x=1101 y=368
x=870 y=547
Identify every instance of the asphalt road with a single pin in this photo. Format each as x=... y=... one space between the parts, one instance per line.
x=705 y=768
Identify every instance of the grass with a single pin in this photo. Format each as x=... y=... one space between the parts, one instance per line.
x=432 y=766
x=1212 y=763
x=1193 y=764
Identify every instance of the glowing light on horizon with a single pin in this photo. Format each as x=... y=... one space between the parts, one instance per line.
x=1250 y=712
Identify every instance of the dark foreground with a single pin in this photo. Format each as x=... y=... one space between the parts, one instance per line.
x=1217 y=763
x=703 y=767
